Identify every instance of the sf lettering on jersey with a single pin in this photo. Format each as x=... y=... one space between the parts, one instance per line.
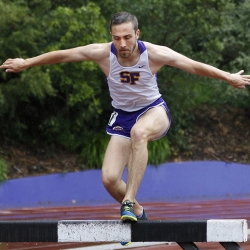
x=129 y=77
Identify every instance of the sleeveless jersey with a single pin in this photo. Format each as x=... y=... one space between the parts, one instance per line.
x=135 y=87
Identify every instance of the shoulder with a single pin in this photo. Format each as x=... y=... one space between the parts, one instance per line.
x=100 y=46
x=158 y=50
x=161 y=55
x=151 y=47
x=156 y=54
x=96 y=51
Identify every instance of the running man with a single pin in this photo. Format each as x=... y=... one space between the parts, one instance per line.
x=140 y=114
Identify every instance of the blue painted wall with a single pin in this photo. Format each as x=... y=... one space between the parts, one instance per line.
x=169 y=182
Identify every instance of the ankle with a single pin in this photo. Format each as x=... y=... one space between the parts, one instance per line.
x=138 y=210
x=127 y=201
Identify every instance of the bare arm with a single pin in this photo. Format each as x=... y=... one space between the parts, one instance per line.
x=161 y=55
x=93 y=52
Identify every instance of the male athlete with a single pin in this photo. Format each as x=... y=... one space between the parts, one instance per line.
x=140 y=114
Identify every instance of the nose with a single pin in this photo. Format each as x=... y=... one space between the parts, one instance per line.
x=123 y=43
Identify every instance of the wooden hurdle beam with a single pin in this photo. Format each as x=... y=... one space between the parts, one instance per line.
x=184 y=232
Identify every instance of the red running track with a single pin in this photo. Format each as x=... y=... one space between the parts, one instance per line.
x=217 y=209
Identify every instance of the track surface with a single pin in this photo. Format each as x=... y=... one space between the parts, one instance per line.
x=218 y=209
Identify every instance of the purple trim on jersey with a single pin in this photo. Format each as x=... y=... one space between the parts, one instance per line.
x=141 y=46
x=121 y=122
x=113 y=49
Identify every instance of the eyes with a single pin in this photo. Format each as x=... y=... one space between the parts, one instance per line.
x=117 y=38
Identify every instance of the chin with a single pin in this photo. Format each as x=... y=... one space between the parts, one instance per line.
x=124 y=55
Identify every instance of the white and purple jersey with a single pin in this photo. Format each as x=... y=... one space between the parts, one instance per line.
x=134 y=91
x=135 y=87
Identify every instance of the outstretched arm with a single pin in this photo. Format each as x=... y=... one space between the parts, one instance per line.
x=161 y=55
x=93 y=52
x=236 y=80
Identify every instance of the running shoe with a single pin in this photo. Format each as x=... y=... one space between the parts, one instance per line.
x=125 y=244
x=143 y=217
x=127 y=211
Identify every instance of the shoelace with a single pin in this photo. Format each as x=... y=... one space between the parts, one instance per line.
x=128 y=205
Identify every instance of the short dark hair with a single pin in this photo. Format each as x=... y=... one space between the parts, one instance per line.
x=123 y=17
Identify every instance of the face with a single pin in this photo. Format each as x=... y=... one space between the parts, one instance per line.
x=125 y=39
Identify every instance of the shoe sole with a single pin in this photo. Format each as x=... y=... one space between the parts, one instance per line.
x=125 y=244
x=128 y=218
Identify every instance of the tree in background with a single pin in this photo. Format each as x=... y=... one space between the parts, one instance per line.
x=202 y=30
x=57 y=104
x=68 y=105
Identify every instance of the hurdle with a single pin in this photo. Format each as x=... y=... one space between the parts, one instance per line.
x=184 y=232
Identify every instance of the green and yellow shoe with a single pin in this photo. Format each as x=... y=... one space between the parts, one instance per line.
x=144 y=216
x=127 y=211
x=125 y=244
x=127 y=214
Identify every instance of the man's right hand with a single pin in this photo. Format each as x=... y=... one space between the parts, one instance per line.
x=14 y=65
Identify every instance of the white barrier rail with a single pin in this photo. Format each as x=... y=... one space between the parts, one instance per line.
x=184 y=232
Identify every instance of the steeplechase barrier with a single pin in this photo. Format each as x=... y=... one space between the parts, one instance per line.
x=184 y=232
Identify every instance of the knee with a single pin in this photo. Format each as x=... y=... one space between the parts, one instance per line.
x=109 y=179
x=138 y=135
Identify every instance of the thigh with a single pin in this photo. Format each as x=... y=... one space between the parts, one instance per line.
x=155 y=122
x=116 y=156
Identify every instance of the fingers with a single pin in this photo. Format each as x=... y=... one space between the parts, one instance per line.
x=9 y=70
x=246 y=79
x=12 y=65
x=5 y=64
x=7 y=61
x=241 y=87
x=240 y=72
x=240 y=81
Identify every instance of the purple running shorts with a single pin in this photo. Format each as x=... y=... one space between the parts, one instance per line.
x=121 y=122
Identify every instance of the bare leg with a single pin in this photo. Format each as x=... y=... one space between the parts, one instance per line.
x=116 y=158
x=149 y=127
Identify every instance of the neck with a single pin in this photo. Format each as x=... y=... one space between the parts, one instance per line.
x=132 y=59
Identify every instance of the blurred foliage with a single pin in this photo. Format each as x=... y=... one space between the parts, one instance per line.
x=158 y=151
x=68 y=105
x=94 y=150
x=3 y=170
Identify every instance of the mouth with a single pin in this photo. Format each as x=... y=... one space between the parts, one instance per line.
x=124 y=52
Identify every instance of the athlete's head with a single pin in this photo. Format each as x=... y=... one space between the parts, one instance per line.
x=123 y=17
x=124 y=31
